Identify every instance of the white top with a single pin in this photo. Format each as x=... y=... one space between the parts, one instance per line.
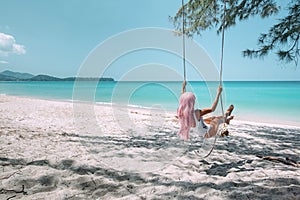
x=201 y=127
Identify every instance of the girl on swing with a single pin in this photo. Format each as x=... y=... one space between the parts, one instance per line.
x=190 y=117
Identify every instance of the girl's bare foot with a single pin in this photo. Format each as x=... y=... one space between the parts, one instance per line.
x=229 y=110
x=228 y=119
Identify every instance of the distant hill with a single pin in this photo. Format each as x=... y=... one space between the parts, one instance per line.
x=87 y=79
x=7 y=78
x=44 y=78
x=17 y=76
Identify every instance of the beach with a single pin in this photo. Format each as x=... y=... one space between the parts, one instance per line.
x=51 y=149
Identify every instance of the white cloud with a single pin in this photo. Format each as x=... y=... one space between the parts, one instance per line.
x=3 y=62
x=8 y=45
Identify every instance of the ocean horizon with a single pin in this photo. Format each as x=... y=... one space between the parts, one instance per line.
x=260 y=101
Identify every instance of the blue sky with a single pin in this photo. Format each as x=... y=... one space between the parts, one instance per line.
x=55 y=37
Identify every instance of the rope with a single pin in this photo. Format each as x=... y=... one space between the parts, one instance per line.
x=221 y=58
x=221 y=61
x=221 y=79
x=183 y=35
x=183 y=40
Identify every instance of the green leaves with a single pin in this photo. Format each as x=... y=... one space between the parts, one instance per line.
x=207 y=14
x=282 y=38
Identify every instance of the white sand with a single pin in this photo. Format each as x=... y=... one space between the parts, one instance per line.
x=52 y=150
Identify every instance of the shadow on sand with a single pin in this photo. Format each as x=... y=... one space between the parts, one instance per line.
x=92 y=182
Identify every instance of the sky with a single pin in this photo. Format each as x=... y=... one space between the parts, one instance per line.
x=56 y=37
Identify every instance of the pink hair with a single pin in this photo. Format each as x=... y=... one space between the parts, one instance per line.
x=185 y=114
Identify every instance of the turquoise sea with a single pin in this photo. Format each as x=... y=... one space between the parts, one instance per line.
x=261 y=101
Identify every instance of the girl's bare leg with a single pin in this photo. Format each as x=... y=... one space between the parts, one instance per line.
x=215 y=122
x=209 y=119
x=227 y=114
x=214 y=126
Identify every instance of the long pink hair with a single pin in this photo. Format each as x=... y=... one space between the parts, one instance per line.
x=185 y=114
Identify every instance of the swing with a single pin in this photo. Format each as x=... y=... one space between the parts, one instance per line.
x=222 y=130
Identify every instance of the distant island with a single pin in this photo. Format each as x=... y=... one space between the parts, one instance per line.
x=17 y=76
